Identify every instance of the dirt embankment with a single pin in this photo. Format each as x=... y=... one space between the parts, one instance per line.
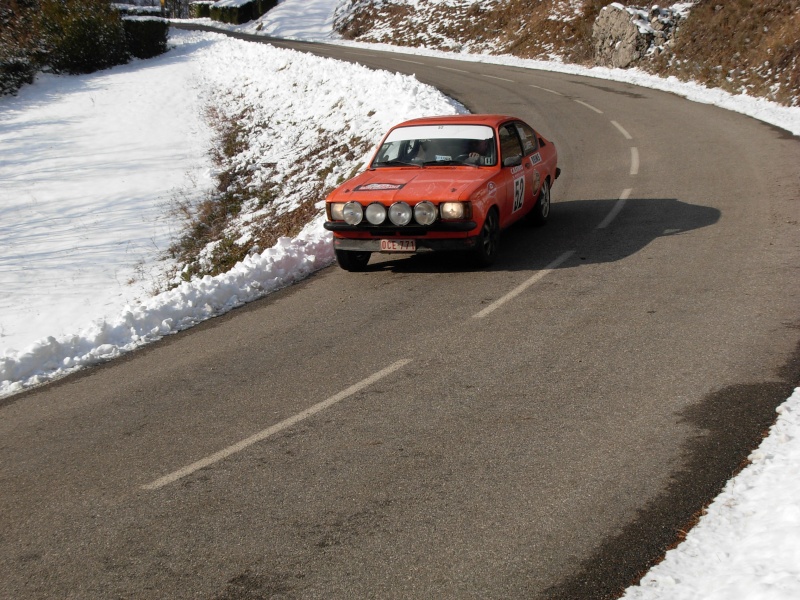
x=737 y=45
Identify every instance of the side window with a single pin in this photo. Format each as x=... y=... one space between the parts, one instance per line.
x=509 y=143
x=528 y=137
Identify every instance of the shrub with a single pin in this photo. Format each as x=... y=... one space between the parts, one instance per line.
x=82 y=36
x=18 y=56
x=14 y=73
x=146 y=36
x=240 y=11
x=199 y=10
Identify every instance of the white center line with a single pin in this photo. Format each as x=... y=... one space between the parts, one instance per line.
x=451 y=69
x=587 y=105
x=538 y=87
x=615 y=210
x=523 y=286
x=634 y=160
x=285 y=424
x=413 y=62
x=499 y=78
x=622 y=130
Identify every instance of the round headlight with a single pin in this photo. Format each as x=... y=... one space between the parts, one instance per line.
x=425 y=213
x=376 y=213
x=353 y=213
x=400 y=213
x=452 y=210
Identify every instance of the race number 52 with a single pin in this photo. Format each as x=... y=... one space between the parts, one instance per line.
x=519 y=193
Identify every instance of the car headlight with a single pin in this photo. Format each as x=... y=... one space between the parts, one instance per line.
x=400 y=213
x=336 y=211
x=453 y=210
x=376 y=213
x=352 y=213
x=425 y=213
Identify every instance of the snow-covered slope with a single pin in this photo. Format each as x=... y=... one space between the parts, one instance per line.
x=747 y=547
x=92 y=170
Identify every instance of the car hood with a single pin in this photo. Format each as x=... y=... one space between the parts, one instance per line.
x=412 y=184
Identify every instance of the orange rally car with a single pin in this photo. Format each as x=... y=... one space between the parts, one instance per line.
x=443 y=183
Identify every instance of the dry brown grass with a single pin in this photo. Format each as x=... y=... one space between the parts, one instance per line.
x=740 y=45
x=215 y=221
x=737 y=45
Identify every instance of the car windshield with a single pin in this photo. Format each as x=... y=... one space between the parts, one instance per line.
x=438 y=145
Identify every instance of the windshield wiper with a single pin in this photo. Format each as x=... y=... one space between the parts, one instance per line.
x=448 y=163
x=395 y=163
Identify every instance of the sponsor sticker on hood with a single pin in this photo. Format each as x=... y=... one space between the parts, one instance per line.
x=378 y=187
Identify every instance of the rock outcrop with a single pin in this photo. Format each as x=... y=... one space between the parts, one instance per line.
x=623 y=35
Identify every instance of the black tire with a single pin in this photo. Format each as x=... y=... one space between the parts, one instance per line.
x=485 y=252
x=541 y=210
x=351 y=260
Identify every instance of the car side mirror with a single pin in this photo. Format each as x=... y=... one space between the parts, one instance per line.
x=512 y=161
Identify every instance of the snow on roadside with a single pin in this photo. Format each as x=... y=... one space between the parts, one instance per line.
x=785 y=117
x=747 y=545
x=297 y=93
x=88 y=167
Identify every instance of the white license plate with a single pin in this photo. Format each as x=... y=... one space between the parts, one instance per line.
x=398 y=246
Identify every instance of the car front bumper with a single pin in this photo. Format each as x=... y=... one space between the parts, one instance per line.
x=422 y=244
x=368 y=238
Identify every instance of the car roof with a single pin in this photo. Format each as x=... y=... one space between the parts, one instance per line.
x=492 y=120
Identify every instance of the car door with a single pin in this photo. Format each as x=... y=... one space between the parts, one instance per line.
x=535 y=171
x=513 y=174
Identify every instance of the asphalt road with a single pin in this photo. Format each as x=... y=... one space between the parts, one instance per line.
x=540 y=429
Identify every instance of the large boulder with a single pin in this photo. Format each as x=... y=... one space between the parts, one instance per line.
x=623 y=35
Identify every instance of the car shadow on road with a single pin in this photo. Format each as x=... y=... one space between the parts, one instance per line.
x=583 y=226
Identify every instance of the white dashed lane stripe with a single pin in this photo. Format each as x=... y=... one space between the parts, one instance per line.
x=589 y=106
x=616 y=208
x=499 y=78
x=278 y=427
x=523 y=286
x=538 y=87
x=622 y=130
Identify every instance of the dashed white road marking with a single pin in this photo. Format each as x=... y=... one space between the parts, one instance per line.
x=622 y=130
x=403 y=60
x=589 y=106
x=538 y=87
x=634 y=160
x=285 y=424
x=451 y=69
x=523 y=286
x=616 y=208
x=499 y=78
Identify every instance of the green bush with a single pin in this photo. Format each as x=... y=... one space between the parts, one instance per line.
x=14 y=73
x=236 y=12
x=82 y=36
x=199 y=10
x=18 y=48
x=146 y=36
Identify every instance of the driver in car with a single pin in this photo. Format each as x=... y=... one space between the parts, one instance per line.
x=479 y=151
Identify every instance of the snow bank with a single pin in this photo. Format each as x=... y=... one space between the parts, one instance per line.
x=101 y=140
x=747 y=545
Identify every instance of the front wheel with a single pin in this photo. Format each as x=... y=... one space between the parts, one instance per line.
x=351 y=260
x=488 y=241
x=541 y=210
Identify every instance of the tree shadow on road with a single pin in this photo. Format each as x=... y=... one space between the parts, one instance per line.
x=732 y=422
